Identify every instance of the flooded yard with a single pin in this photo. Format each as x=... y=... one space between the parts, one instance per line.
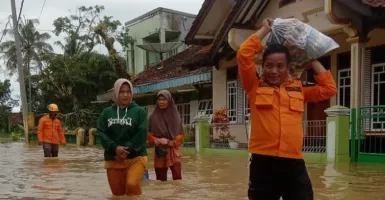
x=78 y=174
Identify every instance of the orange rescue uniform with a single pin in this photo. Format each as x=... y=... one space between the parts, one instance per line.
x=276 y=112
x=50 y=131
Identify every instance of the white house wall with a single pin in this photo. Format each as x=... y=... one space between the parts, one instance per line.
x=148 y=26
x=309 y=11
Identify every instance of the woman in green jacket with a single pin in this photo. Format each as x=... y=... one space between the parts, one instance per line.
x=123 y=131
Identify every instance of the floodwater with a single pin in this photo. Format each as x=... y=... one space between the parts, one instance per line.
x=78 y=174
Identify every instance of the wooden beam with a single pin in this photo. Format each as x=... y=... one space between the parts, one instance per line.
x=247 y=12
x=199 y=20
x=204 y=37
x=357 y=6
x=247 y=26
x=237 y=9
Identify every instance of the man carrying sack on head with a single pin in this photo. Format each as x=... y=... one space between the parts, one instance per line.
x=277 y=168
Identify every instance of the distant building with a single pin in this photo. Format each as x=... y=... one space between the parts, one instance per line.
x=160 y=25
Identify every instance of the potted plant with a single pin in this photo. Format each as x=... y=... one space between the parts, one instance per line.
x=221 y=125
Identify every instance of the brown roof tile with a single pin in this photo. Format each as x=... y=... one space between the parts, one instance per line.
x=174 y=67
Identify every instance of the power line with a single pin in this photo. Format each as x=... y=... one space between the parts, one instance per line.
x=21 y=9
x=5 y=30
x=4 y=20
x=42 y=8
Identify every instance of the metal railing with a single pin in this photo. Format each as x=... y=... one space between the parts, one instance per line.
x=371 y=130
x=314 y=136
x=314 y=139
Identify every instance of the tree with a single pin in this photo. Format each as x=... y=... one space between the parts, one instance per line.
x=33 y=44
x=105 y=29
x=78 y=30
x=6 y=103
x=73 y=82
x=128 y=43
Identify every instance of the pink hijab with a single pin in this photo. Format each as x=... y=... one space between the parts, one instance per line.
x=165 y=123
x=118 y=84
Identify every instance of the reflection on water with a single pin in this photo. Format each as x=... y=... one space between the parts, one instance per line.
x=78 y=174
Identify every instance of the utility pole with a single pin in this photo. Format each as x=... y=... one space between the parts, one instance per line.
x=24 y=105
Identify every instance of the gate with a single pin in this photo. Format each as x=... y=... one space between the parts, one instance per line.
x=368 y=134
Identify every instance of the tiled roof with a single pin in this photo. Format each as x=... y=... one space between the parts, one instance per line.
x=174 y=67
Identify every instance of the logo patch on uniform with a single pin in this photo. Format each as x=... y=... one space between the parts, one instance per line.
x=293 y=89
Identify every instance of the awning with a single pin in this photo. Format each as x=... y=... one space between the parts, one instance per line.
x=159 y=47
x=171 y=83
x=162 y=85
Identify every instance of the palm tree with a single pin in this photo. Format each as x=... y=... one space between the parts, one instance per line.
x=33 y=45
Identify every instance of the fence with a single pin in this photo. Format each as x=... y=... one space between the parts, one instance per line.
x=314 y=136
x=370 y=133
x=314 y=139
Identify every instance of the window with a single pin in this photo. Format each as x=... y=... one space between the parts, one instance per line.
x=205 y=107
x=184 y=111
x=283 y=3
x=344 y=87
x=247 y=106
x=232 y=101
x=378 y=94
x=172 y=52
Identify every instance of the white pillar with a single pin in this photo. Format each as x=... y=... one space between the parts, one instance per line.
x=219 y=88
x=357 y=71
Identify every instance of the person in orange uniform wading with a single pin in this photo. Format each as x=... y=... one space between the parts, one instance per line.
x=166 y=132
x=277 y=168
x=50 y=132
x=123 y=130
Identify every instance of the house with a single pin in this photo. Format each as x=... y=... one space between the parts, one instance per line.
x=358 y=66
x=190 y=87
x=160 y=25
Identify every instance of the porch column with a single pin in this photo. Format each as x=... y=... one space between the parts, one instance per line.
x=357 y=71
x=219 y=88
x=334 y=70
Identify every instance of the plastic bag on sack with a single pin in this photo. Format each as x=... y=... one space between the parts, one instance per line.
x=304 y=42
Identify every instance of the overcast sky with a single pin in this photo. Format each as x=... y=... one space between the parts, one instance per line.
x=122 y=10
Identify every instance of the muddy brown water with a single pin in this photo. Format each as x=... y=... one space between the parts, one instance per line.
x=78 y=174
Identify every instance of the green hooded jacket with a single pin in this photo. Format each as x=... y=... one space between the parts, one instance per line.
x=126 y=127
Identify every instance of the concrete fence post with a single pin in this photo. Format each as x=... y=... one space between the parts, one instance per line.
x=80 y=132
x=202 y=133
x=91 y=136
x=337 y=133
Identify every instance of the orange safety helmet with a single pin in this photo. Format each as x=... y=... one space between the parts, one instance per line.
x=53 y=108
